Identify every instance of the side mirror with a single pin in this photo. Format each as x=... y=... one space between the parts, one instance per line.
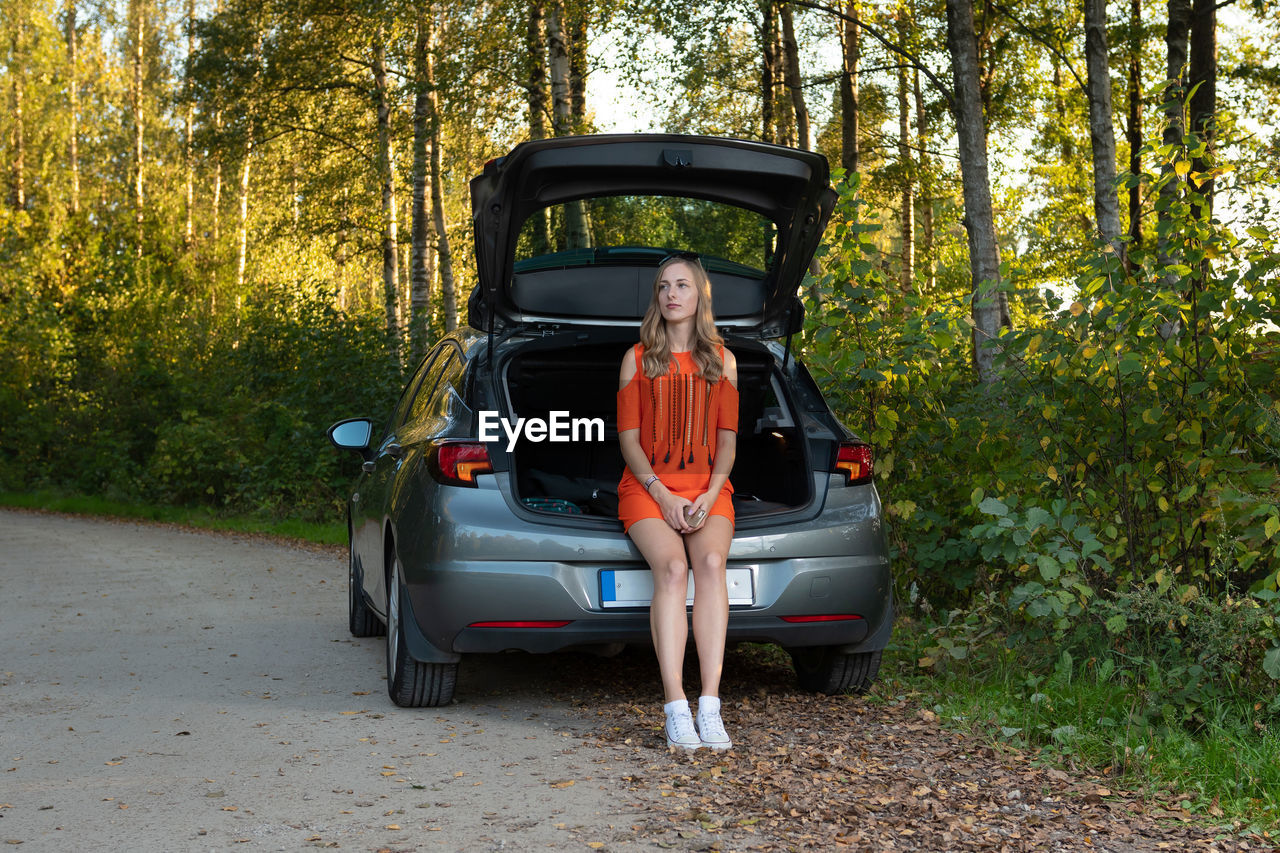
x=352 y=434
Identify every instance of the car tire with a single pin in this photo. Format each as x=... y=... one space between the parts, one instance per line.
x=361 y=619
x=823 y=669
x=412 y=683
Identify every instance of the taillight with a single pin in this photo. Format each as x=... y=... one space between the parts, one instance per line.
x=854 y=459
x=457 y=463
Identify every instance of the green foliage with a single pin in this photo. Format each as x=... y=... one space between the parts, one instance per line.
x=1117 y=487
x=187 y=408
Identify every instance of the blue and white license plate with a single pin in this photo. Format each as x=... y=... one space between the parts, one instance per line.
x=634 y=587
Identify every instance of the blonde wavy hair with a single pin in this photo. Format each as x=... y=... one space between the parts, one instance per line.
x=706 y=338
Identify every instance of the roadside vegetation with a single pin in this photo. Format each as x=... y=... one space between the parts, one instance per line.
x=202 y=517
x=1087 y=551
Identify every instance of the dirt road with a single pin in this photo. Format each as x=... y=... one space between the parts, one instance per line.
x=162 y=689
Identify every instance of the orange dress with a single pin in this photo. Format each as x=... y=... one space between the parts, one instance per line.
x=678 y=416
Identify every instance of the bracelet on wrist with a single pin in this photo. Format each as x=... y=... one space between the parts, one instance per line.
x=649 y=482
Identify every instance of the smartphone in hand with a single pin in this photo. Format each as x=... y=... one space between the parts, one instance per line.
x=695 y=520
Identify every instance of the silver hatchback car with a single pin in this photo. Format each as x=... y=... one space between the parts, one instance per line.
x=485 y=516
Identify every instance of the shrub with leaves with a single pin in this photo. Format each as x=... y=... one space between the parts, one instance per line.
x=1127 y=454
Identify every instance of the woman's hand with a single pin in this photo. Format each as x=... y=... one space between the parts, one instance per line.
x=701 y=504
x=673 y=508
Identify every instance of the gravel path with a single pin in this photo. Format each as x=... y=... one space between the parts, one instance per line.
x=169 y=689
x=164 y=689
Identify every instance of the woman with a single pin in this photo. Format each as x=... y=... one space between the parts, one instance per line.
x=677 y=424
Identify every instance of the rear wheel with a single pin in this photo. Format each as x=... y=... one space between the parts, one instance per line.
x=360 y=617
x=412 y=683
x=822 y=669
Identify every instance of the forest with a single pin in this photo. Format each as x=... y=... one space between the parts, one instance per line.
x=1047 y=296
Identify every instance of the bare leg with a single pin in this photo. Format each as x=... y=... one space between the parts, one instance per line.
x=663 y=549
x=708 y=550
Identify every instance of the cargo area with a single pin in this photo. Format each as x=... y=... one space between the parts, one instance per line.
x=770 y=472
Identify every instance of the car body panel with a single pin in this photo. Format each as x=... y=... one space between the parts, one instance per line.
x=467 y=557
x=786 y=185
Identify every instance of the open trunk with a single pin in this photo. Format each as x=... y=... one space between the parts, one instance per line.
x=770 y=475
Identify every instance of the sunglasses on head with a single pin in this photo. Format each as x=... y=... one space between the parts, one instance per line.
x=681 y=256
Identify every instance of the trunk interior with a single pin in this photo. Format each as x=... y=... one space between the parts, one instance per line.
x=770 y=472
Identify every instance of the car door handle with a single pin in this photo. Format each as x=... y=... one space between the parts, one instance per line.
x=395 y=451
x=368 y=467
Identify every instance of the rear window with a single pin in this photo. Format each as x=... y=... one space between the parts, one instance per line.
x=647 y=229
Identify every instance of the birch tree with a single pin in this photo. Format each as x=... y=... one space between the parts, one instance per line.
x=1106 y=203
x=73 y=107
x=423 y=223
x=850 y=58
x=137 y=21
x=979 y=219
x=386 y=177
x=794 y=80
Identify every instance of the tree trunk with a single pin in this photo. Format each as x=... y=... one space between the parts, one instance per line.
x=536 y=89
x=1203 y=80
x=784 y=108
x=979 y=217
x=849 y=49
x=558 y=60
x=19 y=129
x=386 y=176
x=443 y=254
x=926 y=185
x=908 y=273
x=768 y=67
x=137 y=19
x=795 y=83
x=1066 y=151
x=188 y=154
x=1106 y=204
x=536 y=81
x=216 y=206
x=1135 y=120
x=1175 y=93
x=576 y=28
x=420 y=283
x=242 y=225
x=340 y=251
x=576 y=227
x=73 y=97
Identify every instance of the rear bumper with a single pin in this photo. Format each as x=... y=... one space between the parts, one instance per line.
x=834 y=564
x=448 y=600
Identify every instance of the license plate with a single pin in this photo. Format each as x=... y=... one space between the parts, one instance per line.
x=634 y=587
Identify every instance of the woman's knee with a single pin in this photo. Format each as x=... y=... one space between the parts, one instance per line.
x=670 y=572
x=711 y=563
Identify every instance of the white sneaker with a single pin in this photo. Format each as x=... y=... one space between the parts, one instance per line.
x=680 y=731
x=711 y=730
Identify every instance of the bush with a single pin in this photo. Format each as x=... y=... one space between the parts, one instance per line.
x=1120 y=474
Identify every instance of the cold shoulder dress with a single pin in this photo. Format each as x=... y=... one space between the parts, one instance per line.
x=678 y=416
